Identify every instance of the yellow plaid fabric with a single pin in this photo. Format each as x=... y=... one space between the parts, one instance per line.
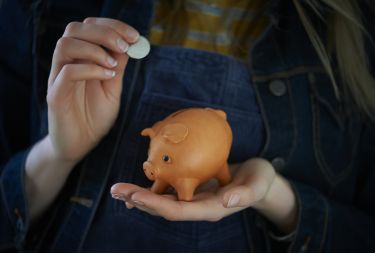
x=224 y=26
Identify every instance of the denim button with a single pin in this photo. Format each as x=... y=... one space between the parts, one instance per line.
x=277 y=88
x=278 y=163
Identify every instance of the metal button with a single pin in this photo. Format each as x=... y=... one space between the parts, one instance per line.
x=278 y=163
x=277 y=88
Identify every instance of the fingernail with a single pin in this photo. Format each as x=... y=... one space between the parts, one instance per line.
x=132 y=34
x=122 y=45
x=138 y=203
x=118 y=196
x=112 y=61
x=110 y=73
x=233 y=201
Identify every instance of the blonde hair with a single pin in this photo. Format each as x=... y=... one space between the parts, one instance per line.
x=347 y=41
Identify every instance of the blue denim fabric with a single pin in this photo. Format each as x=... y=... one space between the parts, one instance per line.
x=172 y=80
x=324 y=151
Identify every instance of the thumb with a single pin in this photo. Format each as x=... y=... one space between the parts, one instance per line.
x=238 y=196
x=246 y=194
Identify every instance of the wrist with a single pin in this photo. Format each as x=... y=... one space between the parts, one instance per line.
x=45 y=175
x=45 y=153
x=55 y=156
x=279 y=205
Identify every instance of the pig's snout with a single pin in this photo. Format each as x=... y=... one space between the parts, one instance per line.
x=150 y=170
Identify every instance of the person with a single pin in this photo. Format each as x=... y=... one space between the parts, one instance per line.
x=294 y=77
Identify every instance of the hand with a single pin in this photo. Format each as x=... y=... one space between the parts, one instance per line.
x=251 y=183
x=85 y=84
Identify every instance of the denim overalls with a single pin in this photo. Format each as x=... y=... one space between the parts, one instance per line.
x=173 y=79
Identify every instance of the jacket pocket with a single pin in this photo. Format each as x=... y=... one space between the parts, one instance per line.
x=336 y=130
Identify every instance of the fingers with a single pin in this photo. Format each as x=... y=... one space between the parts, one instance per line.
x=69 y=50
x=78 y=72
x=124 y=190
x=250 y=184
x=84 y=42
x=97 y=34
x=209 y=209
x=205 y=206
x=71 y=73
x=243 y=196
x=129 y=33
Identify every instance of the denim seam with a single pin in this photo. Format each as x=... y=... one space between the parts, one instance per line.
x=6 y=203
x=245 y=217
x=96 y=204
x=300 y=210
x=324 y=234
x=332 y=177
x=25 y=226
x=288 y=73
x=330 y=108
x=118 y=204
x=69 y=214
x=313 y=106
x=26 y=219
x=265 y=120
x=47 y=227
x=295 y=129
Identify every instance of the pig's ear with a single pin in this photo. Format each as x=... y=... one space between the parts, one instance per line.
x=148 y=132
x=175 y=132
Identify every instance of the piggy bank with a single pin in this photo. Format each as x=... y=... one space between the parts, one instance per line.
x=188 y=148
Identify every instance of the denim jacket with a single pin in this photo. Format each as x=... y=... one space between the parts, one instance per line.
x=311 y=138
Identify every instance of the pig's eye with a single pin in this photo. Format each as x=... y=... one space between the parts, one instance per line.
x=166 y=158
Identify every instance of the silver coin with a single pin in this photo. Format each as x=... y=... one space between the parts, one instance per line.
x=139 y=49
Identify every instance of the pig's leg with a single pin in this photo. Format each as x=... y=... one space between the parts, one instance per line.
x=185 y=188
x=159 y=186
x=224 y=176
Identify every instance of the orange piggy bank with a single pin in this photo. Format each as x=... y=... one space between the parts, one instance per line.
x=187 y=148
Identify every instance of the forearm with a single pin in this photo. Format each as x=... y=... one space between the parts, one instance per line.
x=279 y=205
x=45 y=175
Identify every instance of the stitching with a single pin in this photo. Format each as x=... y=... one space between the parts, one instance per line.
x=315 y=137
x=245 y=215
x=82 y=201
x=300 y=210
x=119 y=205
x=333 y=178
x=265 y=120
x=70 y=209
x=295 y=129
x=324 y=234
x=288 y=73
